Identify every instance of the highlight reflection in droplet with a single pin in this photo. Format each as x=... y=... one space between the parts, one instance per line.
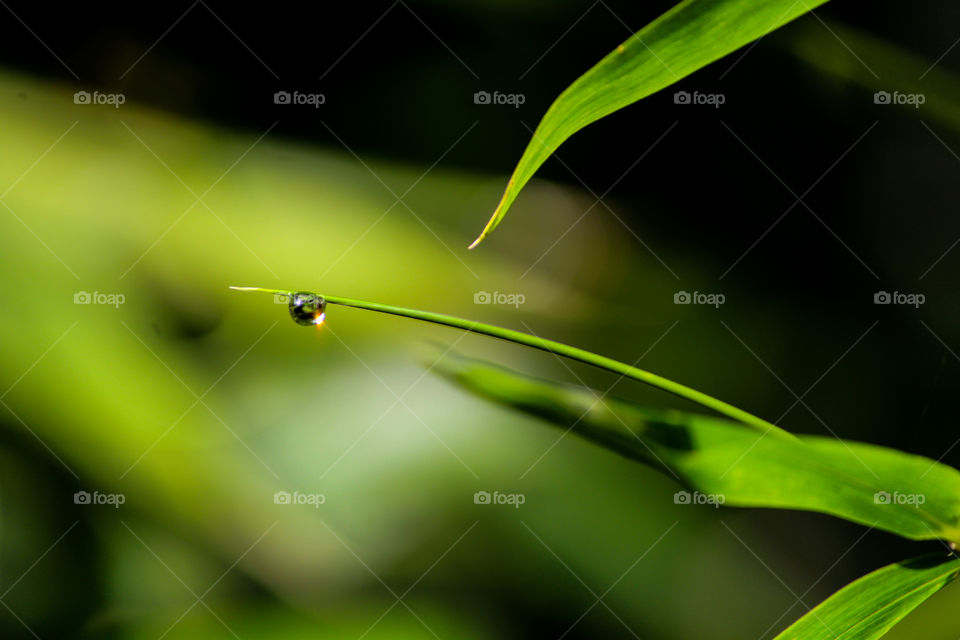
x=307 y=309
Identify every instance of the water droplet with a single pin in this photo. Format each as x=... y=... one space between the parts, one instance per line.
x=307 y=309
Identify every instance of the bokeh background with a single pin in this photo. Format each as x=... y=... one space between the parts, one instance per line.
x=798 y=199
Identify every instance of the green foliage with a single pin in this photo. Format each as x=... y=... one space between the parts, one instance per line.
x=908 y=495
x=891 y=67
x=867 y=608
x=733 y=465
x=550 y=346
x=688 y=37
x=760 y=466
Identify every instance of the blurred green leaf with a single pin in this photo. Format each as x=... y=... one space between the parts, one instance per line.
x=908 y=495
x=867 y=608
x=96 y=191
x=97 y=388
x=891 y=68
x=691 y=35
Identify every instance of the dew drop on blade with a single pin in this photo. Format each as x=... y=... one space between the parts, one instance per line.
x=307 y=309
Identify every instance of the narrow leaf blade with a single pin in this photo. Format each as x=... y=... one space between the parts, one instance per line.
x=869 y=607
x=690 y=36
x=905 y=494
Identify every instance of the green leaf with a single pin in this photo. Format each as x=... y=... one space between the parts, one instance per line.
x=891 y=68
x=904 y=494
x=550 y=346
x=869 y=607
x=691 y=35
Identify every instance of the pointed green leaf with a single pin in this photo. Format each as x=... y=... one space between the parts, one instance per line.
x=869 y=607
x=691 y=35
x=905 y=494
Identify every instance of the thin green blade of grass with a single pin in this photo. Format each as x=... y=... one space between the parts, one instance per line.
x=688 y=37
x=557 y=348
x=904 y=494
x=870 y=606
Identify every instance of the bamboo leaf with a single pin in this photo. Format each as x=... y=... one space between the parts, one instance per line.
x=905 y=494
x=869 y=607
x=690 y=36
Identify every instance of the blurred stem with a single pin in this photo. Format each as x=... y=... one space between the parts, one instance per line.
x=559 y=349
